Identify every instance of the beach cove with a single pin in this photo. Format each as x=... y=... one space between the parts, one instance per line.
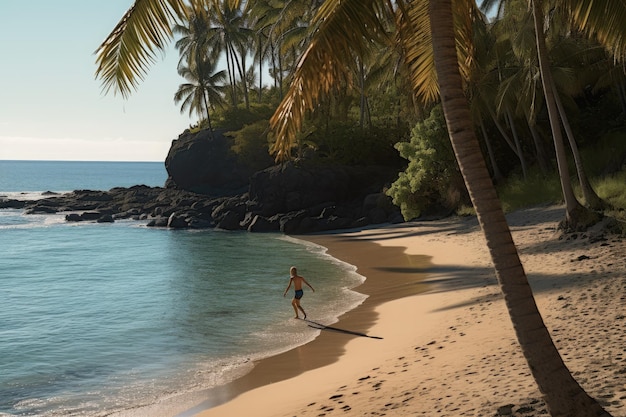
x=450 y=350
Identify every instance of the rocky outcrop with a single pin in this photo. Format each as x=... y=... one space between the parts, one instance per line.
x=310 y=197
x=290 y=198
x=208 y=187
x=204 y=163
x=291 y=187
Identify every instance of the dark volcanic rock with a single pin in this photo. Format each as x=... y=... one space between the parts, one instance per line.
x=204 y=163
x=263 y=225
x=73 y=217
x=105 y=218
x=11 y=203
x=271 y=211
x=296 y=186
x=230 y=221
x=176 y=221
x=293 y=198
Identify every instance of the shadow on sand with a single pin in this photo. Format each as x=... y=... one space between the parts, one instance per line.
x=321 y=326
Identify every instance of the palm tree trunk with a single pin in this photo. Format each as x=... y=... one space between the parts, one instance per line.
x=362 y=87
x=503 y=132
x=208 y=113
x=497 y=174
x=518 y=145
x=280 y=74
x=231 y=76
x=275 y=68
x=592 y=200
x=621 y=93
x=542 y=158
x=574 y=212
x=260 y=55
x=368 y=113
x=241 y=67
x=563 y=395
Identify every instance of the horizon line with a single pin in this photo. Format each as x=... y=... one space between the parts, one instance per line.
x=76 y=160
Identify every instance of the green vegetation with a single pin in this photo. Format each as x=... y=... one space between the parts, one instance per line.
x=251 y=144
x=432 y=180
x=537 y=189
x=612 y=188
x=374 y=114
x=604 y=161
x=606 y=155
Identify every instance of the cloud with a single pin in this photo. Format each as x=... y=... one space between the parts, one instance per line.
x=73 y=149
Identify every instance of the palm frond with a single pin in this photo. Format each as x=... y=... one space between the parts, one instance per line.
x=413 y=33
x=413 y=30
x=342 y=28
x=124 y=57
x=605 y=20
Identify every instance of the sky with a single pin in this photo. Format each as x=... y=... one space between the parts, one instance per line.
x=51 y=105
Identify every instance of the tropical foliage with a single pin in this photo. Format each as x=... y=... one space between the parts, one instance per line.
x=368 y=96
x=204 y=89
x=236 y=55
x=432 y=180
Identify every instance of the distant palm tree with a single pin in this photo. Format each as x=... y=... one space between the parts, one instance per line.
x=204 y=89
x=230 y=35
x=284 y=27
x=193 y=36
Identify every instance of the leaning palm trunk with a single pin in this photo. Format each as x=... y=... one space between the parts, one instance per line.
x=497 y=174
x=576 y=216
x=542 y=158
x=563 y=395
x=517 y=142
x=592 y=200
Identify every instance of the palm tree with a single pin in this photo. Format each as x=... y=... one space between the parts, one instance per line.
x=427 y=31
x=575 y=214
x=228 y=33
x=193 y=35
x=518 y=87
x=258 y=12
x=315 y=75
x=285 y=26
x=204 y=88
x=563 y=395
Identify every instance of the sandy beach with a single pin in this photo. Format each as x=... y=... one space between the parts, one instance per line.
x=444 y=342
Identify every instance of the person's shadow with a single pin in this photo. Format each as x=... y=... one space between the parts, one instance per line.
x=321 y=326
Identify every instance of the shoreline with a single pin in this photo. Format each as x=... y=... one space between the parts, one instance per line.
x=394 y=276
x=451 y=351
x=330 y=345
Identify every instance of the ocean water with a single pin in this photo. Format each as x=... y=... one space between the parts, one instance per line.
x=19 y=178
x=99 y=318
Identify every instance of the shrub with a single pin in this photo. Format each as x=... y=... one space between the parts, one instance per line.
x=251 y=145
x=235 y=118
x=351 y=145
x=432 y=181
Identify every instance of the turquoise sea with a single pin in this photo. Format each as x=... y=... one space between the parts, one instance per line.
x=100 y=318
